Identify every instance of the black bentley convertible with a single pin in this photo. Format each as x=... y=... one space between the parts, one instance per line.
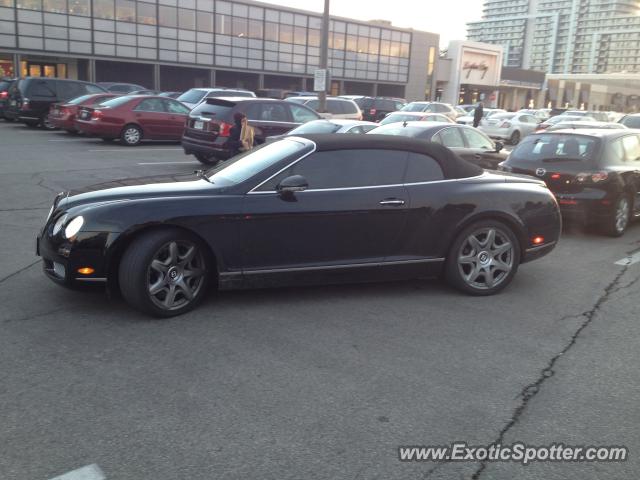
x=318 y=209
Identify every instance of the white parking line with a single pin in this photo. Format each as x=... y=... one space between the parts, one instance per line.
x=68 y=140
x=90 y=472
x=168 y=163
x=128 y=150
x=630 y=260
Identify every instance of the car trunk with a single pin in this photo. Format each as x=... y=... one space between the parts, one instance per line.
x=210 y=120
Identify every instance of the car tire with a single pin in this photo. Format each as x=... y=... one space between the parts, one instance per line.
x=153 y=272
x=131 y=135
x=46 y=124
x=619 y=220
x=514 y=139
x=32 y=123
x=108 y=140
x=208 y=160
x=71 y=132
x=483 y=263
x=7 y=119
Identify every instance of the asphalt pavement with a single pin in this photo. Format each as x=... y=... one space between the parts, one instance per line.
x=303 y=383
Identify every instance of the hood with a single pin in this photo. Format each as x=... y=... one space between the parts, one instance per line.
x=136 y=188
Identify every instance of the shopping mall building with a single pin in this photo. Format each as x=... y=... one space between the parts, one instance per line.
x=178 y=44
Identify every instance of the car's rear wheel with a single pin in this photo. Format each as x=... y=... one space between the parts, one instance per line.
x=131 y=135
x=9 y=119
x=164 y=273
x=515 y=138
x=71 y=132
x=207 y=159
x=618 y=221
x=108 y=140
x=484 y=258
x=46 y=124
x=32 y=123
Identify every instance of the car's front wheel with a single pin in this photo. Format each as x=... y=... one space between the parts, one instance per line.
x=131 y=135
x=46 y=123
x=207 y=159
x=165 y=273
x=515 y=138
x=484 y=258
x=618 y=221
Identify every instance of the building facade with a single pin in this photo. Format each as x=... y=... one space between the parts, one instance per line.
x=563 y=36
x=178 y=44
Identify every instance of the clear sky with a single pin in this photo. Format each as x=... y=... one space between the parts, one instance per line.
x=446 y=17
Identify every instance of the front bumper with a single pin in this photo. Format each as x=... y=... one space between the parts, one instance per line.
x=62 y=258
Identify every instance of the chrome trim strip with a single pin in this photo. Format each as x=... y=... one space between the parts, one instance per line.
x=342 y=267
x=283 y=169
x=95 y=279
x=540 y=247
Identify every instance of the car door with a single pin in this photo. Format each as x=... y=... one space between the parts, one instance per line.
x=451 y=137
x=351 y=213
x=528 y=124
x=177 y=115
x=268 y=119
x=480 y=149
x=151 y=116
x=631 y=147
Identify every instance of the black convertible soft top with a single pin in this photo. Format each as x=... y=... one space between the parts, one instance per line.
x=452 y=165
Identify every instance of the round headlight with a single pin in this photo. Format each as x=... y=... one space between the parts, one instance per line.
x=59 y=224
x=74 y=227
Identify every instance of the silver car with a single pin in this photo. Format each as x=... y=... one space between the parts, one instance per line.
x=577 y=125
x=511 y=127
x=328 y=126
x=431 y=107
x=486 y=113
x=401 y=116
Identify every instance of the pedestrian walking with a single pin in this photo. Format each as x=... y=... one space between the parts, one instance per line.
x=477 y=114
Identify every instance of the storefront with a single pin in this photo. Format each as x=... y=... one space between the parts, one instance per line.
x=520 y=88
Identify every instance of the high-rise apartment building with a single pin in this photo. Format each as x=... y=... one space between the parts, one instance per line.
x=563 y=36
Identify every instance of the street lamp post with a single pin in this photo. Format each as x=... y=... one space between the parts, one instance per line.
x=324 y=54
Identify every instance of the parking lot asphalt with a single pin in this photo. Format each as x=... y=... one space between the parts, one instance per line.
x=303 y=383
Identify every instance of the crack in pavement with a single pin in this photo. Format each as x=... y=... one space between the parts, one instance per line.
x=34 y=316
x=531 y=390
x=2 y=280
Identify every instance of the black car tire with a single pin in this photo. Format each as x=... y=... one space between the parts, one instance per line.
x=32 y=123
x=617 y=224
x=465 y=260
x=71 y=132
x=8 y=119
x=108 y=140
x=515 y=138
x=46 y=124
x=208 y=160
x=131 y=135
x=140 y=272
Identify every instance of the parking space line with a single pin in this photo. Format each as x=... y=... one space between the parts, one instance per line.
x=630 y=260
x=128 y=150
x=168 y=163
x=68 y=140
x=90 y=472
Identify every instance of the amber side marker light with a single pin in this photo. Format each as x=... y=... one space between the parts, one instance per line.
x=86 y=270
x=537 y=240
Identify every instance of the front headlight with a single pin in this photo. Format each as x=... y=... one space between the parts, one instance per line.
x=59 y=224
x=74 y=227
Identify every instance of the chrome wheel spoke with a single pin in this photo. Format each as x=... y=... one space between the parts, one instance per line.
x=489 y=279
x=486 y=258
x=467 y=259
x=171 y=297
x=159 y=266
x=501 y=266
x=185 y=289
x=474 y=274
x=193 y=272
x=490 y=240
x=474 y=243
x=158 y=286
x=498 y=250
x=173 y=253
x=187 y=257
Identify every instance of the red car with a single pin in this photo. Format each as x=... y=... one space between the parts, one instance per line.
x=133 y=118
x=63 y=115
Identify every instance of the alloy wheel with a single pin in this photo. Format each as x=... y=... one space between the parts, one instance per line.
x=176 y=275
x=132 y=135
x=486 y=258
x=622 y=214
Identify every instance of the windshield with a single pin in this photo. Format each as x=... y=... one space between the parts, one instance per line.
x=399 y=130
x=300 y=100
x=245 y=166
x=116 y=102
x=414 y=107
x=399 y=117
x=315 y=126
x=192 y=96
x=556 y=148
x=217 y=109
x=631 y=121
x=502 y=116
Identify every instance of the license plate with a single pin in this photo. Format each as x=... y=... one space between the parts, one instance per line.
x=198 y=125
x=84 y=115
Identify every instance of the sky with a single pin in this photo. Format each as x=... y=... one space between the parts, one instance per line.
x=446 y=17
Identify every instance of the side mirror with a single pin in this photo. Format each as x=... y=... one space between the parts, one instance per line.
x=499 y=147
x=292 y=184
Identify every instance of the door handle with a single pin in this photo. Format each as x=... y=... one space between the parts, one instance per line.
x=477 y=155
x=392 y=202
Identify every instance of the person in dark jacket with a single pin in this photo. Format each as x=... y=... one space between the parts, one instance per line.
x=477 y=114
x=234 y=141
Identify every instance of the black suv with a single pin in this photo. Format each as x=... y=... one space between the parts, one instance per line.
x=5 y=86
x=31 y=97
x=209 y=124
x=375 y=109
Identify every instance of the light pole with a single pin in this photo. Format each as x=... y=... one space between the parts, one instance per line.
x=324 y=55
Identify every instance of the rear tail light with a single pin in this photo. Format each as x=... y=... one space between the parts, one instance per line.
x=4 y=94
x=592 y=177
x=97 y=115
x=225 y=129
x=372 y=111
x=25 y=104
x=555 y=176
x=505 y=125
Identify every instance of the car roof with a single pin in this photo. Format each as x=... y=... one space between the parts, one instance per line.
x=414 y=114
x=452 y=165
x=586 y=132
x=344 y=122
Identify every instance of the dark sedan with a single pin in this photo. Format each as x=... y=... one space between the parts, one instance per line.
x=595 y=174
x=302 y=210
x=468 y=142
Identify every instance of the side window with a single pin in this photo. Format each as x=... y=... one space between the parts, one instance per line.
x=175 y=107
x=616 y=154
x=476 y=139
x=69 y=90
x=347 y=169
x=335 y=106
x=301 y=114
x=450 y=138
x=253 y=111
x=422 y=168
x=313 y=104
x=349 y=107
x=398 y=105
x=387 y=105
x=273 y=112
x=357 y=129
x=92 y=88
x=150 y=105
x=631 y=146
x=42 y=89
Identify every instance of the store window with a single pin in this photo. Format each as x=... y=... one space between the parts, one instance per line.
x=271 y=31
x=79 y=7
x=146 y=13
x=30 y=4
x=223 y=24
x=239 y=26
x=204 y=22
x=55 y=6
x=125 y=10
x=103 y=9
x=6 y=3
x=255 y=29
x=187 y=19
x=167 y=16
